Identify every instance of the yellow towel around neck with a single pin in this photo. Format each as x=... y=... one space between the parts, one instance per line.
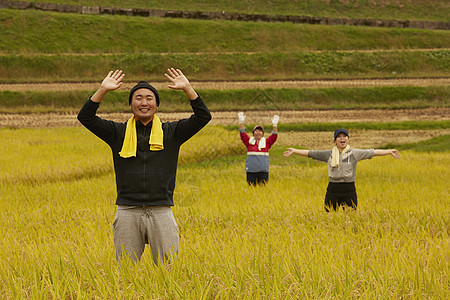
x=335 y=155
x=130 y=142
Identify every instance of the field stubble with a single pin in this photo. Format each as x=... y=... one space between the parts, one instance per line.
x=226 y=118
x=230 y=85
x=360 y=138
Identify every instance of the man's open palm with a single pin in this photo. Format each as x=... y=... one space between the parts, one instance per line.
x=179 y=81
x=113 y=81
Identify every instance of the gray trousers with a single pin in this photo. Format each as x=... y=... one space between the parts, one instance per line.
x=154 y=225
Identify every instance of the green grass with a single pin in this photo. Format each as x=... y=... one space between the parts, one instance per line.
x=382 y=9
x=400 y=125
x=437 y=144
x=248 y=99
x=236 y=242
x=47 y=47
x=251 y=67
x=31 y=32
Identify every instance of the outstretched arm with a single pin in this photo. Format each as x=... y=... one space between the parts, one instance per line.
x=180 y=82
x=393 y=152
x=290 y=151
x=112 y=81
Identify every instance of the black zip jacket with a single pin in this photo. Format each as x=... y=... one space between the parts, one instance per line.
x=149 y=178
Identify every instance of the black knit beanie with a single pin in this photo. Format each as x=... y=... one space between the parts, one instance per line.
x=143 y=85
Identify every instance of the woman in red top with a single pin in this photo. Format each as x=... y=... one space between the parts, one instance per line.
x=257 y=163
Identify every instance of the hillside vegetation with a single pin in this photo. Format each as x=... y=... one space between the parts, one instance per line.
x=30 y=31
x=51 y=47
x=379 y=9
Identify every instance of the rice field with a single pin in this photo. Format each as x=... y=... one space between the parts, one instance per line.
x=57 y=199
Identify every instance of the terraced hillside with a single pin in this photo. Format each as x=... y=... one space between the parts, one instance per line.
x=50 y=62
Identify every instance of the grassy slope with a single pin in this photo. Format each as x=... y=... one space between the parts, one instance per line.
x=283 y=51
x=250 y=99
x=44 y=32
x=437 y=144
x=263 y=66
x=395 y=125
x=35 y=33
x=381 y=9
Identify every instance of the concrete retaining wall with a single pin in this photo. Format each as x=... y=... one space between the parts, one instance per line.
x=199 y=15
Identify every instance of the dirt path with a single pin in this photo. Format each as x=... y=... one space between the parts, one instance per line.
x=227 y=85
x=230 y=117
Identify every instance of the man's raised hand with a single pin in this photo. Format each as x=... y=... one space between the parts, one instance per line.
x=179 y=81
x=113 y=80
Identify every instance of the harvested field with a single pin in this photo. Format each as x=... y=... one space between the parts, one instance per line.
x=312 y=140
x=316 y=140
x=230 y=117
x=331 y=116
x=227 y=85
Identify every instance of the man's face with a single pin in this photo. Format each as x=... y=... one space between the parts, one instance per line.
x=143 y=105
x=258 y=134
x=341 y=140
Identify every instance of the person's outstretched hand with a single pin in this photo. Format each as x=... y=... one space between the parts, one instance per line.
x=288 y=152
x=395 y=153
x=113 y=80
x=179 y=81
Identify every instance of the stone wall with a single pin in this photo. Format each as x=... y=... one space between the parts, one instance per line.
x=199 y=15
